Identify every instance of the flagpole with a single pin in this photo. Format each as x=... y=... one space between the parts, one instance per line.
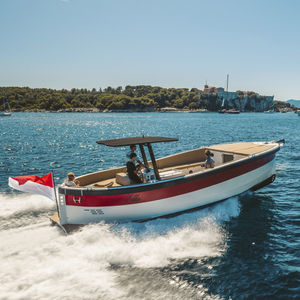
x=57 y=206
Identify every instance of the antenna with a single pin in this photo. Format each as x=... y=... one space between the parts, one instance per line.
x=227 y=83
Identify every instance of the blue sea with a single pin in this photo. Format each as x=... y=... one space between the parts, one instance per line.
x=247 y=247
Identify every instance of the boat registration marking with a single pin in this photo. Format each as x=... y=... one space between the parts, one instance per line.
x=97 y=211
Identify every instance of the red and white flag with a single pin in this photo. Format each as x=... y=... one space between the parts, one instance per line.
x=34 y=184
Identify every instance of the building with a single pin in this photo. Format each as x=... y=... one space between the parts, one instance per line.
x=212 y=90
x=247 y=101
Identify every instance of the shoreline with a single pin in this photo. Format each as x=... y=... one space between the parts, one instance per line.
x=134 y=111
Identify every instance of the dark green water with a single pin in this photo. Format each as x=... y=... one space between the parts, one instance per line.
x=247 y=247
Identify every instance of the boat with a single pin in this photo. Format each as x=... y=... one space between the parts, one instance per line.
x=172 y=185
x=232 y=111
x=5 y=112
x=229 y=111
x=199 y=111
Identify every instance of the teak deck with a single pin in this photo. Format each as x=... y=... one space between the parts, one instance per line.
x=246 y=148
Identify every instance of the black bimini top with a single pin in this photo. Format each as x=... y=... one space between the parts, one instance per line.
x=136 y=140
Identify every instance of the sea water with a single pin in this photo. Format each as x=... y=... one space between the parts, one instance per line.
x=247 y=247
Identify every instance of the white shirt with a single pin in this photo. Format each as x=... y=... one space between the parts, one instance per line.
x=69 y=183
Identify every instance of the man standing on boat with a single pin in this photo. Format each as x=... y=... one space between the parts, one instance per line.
x=132 y=150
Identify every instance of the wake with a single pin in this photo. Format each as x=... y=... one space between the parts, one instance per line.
x=19 y=210
x=102 y=260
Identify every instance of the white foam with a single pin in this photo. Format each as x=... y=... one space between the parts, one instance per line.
x=38 y=262
x=15 y=203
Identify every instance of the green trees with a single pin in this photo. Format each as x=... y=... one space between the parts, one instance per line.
x=141 y=97
x=136 y=98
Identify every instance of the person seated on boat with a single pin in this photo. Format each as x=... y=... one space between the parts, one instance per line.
x=71 y=181
x=132 y=170
x=132 y=150
x=209 y=163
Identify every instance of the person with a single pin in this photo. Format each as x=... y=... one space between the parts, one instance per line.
x=132 y=150
x=209 y=163
x=132 y=170
x=71 y=181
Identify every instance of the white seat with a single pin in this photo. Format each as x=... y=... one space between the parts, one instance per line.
x=171 y=174
x=122 y=179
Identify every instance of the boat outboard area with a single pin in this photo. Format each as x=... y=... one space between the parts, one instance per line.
x=169 y=185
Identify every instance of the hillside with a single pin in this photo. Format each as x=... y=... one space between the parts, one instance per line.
x=294 y=102
x=132 y=98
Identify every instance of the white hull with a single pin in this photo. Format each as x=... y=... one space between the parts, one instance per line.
x=70 y=214
x=5 y=114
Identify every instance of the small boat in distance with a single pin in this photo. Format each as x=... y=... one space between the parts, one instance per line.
x=5 y=103
x=171 y=185
x=199 y=111
x=229 y=111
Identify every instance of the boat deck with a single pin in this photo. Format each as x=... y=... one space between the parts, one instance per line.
x=175 y=166
x=247 y=148
x=165 y=173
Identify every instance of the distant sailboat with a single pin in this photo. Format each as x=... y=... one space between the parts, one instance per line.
x=223 y=103
x=223 y=110
x=5 y=103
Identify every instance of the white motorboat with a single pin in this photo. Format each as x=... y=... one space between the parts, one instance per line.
x=175 y=183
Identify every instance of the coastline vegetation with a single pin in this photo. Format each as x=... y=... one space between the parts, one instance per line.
x=131 y=98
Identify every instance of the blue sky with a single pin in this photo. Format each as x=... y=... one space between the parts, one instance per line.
x=170 y=43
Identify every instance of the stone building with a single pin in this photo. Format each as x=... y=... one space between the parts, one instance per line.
x=245 y=101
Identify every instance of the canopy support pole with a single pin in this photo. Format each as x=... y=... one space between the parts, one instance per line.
x=144 y=155
x=153 y=161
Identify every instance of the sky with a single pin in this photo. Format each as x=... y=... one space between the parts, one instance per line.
x=168 y=43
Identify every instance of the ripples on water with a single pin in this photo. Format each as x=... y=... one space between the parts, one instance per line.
x=246 y=247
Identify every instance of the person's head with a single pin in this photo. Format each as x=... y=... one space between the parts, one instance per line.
x=132 y=156
x=208 y=153
x=132 y=148
x=71 y=176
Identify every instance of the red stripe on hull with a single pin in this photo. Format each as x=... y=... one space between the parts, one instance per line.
x=167 y=192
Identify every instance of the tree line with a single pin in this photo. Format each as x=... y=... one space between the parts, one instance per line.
x=141 y=97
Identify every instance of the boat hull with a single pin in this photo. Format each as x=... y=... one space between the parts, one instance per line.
x=5 y=114
x=142 y=202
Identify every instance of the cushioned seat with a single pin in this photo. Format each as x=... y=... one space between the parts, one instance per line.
x=122 y=179
x=170 y=174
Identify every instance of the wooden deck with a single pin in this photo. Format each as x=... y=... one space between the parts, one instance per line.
x=246 y=148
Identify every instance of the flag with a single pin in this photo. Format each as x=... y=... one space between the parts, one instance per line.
x=34 y=184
